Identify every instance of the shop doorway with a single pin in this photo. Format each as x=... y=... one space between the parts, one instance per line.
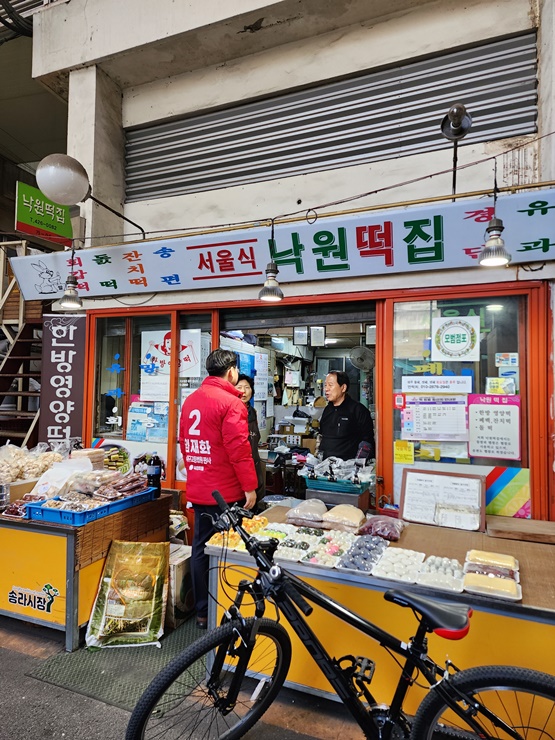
x=302 y=346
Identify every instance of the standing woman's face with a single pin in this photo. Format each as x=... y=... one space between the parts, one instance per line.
x=245 y=389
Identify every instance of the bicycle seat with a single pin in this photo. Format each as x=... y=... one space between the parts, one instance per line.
x=447 y=620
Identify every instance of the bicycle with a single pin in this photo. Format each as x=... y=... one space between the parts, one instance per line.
x=222 y=684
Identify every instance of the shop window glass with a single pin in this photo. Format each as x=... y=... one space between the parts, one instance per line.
x=195 y=346
x=149 y=392
x=110 y=378
x=459 y=386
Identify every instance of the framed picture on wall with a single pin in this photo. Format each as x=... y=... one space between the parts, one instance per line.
x=317 y=336
x=300 y=336
x=370 y=334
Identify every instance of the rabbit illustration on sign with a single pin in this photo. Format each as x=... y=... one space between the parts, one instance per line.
x=51 y=283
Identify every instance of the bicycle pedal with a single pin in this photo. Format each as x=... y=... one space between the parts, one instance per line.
x=364 y=669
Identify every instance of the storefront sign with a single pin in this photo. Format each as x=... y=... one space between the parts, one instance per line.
x=37 y=215
x=62 y=374
x=456 y=339
x=438 y=237
x=494 y=426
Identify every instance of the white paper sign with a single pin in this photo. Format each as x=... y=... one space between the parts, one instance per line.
x=445 y=500
x=261 y=363
x=156 y=360
x=456 y=338
x=434 y=417
x=494 y=426
x=436 y=384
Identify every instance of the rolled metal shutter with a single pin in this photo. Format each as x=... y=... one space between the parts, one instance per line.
x=381 y=115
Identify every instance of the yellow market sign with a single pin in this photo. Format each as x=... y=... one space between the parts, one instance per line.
x=36 y=215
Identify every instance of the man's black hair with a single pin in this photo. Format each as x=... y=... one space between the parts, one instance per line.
x=249 y=380
x=219 y=361
x=342 y=378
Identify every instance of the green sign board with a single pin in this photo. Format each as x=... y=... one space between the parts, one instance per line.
x=35 y=214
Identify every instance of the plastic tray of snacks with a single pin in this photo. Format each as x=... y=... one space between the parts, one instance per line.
x=443 y=573
x=484 y=557
x=129 y=501
x=228 y=540
x=40 y=512
x=501 y=588
x=318 y=560
x=493 y=571
x=365 y=553
x=289 y=554
x=398 y=564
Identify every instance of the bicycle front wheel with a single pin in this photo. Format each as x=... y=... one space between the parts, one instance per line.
x=187 y=699
x=522 y=699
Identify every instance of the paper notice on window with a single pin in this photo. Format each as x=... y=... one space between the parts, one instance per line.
x=494 y=423
x=434 y=418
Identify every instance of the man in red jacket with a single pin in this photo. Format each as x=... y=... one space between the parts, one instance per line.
x=214 y=441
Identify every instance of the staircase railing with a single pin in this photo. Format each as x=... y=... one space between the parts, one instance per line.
x=14 y=314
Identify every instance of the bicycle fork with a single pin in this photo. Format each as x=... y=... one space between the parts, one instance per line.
x=240 y=646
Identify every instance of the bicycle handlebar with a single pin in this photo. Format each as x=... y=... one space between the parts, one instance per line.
x=231 y=516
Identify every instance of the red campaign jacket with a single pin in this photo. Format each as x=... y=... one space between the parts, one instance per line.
x=214 y=441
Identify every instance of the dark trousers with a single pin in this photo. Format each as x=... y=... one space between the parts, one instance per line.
x=202 y=532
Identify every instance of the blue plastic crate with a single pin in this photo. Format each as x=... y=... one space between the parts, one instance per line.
x=129 y=501
x=38 y=512
x=338 y=486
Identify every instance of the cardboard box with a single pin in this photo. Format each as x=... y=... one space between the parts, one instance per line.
x=181 y=601
x=309 y=443
x=21 y=487
x=286 y=428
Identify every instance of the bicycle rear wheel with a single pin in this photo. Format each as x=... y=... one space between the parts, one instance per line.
x=523 y=699
x=179 y=704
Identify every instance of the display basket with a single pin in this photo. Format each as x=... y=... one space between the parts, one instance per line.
x=339 y=486
x=39 y=512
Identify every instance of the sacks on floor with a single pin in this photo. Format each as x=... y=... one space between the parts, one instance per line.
x=130 y=604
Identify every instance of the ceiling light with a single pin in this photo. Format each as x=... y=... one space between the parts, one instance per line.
x=495 y=307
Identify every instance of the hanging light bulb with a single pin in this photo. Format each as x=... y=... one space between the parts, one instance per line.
x=70 y=301
x=271 y=291
x=494 y=253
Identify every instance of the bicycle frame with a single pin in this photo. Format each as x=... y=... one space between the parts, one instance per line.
x=272 y=581
x=415 y=654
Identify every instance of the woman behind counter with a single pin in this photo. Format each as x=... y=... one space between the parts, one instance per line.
x=246 y=386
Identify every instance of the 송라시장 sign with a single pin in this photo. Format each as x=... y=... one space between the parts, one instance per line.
x=442 y=236
x=36 y=215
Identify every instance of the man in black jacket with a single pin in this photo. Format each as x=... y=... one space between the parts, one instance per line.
x=345 y=422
